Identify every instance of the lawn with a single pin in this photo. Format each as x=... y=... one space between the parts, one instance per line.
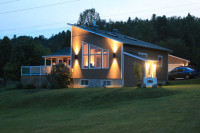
x=171 y=109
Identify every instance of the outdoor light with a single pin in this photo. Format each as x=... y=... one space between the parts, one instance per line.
x=76 y=56
x=114 y=55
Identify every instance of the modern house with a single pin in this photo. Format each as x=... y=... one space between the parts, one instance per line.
x=101 y=58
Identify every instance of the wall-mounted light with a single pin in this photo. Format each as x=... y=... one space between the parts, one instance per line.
x=76 y=56
x=114 y=55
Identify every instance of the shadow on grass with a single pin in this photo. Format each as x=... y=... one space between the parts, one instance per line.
x=88 y=97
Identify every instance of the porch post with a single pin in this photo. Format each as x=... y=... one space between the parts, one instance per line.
x=58 y=61
x=45 y=61
x=51 y=61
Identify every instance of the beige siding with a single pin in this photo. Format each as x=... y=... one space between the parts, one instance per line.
x=114 y=71
x=161 y=72
x=129 y=76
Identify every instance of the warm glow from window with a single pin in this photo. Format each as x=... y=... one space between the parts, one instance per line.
x=94 y=57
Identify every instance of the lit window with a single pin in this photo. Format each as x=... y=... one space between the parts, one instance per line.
x=105 y=59
x=84 y=82
x=160 y=60
x=106 y=83
x=85 y=55
x=94 y=57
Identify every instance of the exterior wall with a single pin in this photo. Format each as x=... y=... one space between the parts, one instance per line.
x=96 y=83
x=161 y=71
x=114 y=70
x=38 y=81
x=129 y=76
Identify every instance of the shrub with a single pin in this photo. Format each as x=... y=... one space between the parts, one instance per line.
x=139 y=85
x=29 y=86
x=19 y=86
x=60 y=77
x=138 y=73
x=44 y=86
x=160 y=84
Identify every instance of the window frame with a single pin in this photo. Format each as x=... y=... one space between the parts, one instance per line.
x=85 y=54
x=160 y=56
x=106 y=83
x=95 y=54
x=84 y=80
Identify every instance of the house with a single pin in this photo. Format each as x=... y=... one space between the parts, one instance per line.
x=175 y=61
x=101 y=58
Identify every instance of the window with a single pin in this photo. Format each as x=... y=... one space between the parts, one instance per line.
x=143 y=54
x=106 y=83
x=105 y=59
x=85 y=55
x=160 y=60
x=84 y=82
x=94 y=57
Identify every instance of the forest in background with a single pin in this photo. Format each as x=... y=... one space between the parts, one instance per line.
x=180 y=34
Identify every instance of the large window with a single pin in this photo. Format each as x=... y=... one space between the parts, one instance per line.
x=94 y=57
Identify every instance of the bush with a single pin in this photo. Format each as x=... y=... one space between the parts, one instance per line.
x=44 y=86
x=19 y=86
x=60 y=77
x=139 y=85
x=29 y=86
x=138 y=72
x=160 y=85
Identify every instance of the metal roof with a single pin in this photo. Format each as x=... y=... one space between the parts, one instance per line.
x=63 y=52
x=122 y=38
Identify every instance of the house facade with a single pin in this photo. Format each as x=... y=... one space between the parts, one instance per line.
x=103 y=59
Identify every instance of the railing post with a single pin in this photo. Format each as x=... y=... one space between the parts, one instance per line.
x=21 y=71
x=40 y=70
x=30 y=71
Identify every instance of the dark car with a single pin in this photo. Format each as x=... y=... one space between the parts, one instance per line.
x=182 y=72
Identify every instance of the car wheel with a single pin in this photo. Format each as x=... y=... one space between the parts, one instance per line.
x=187 y=76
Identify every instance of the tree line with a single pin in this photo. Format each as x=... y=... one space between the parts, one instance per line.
x=180 y=34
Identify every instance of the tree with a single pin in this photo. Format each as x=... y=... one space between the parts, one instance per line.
x=5 y=53
x=88 y=16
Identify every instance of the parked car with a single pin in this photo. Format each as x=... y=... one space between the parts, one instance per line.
x=182 y=72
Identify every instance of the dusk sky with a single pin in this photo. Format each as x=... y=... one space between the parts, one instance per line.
x=47 y=17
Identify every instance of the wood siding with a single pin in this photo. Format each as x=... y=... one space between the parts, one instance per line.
x=114 y=71
x=129 y=76
x=161 y=72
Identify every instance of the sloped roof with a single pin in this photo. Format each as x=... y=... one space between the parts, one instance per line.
x=122 y=38
x=63 y=52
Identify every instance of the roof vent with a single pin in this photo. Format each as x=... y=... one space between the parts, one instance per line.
x=95 y=27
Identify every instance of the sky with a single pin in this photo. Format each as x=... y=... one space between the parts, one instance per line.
x=48 y=17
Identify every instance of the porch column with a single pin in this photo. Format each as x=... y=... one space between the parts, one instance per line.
x=51 y=61
x=58 y=61
x=45 y=63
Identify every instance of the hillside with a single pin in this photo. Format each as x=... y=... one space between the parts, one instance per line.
x=172 y=108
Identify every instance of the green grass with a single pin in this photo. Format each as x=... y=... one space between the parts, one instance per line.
x=173 y=108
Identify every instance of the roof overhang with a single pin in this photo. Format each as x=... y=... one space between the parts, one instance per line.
x=134 y=56
x=95 y=33
x=178 y=57
x=54 y=56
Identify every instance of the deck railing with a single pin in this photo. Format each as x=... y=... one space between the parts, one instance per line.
x=35 y=70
